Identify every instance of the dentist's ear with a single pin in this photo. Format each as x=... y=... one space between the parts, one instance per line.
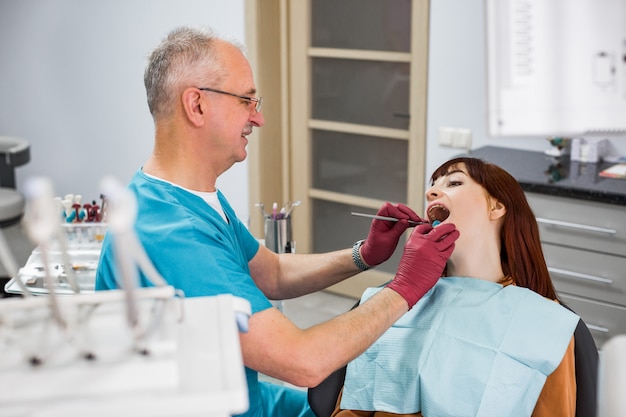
x=496 y=209
x=194 y=105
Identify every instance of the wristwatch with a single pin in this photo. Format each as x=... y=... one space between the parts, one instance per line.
x=356 y=256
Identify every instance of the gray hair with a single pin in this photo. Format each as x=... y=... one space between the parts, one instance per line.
x=186 y=57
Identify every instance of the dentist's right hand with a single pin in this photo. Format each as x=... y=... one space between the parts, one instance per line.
x=425 y=255
x=384 y=235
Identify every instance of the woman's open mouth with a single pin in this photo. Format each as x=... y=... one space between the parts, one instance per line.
x=438 y=212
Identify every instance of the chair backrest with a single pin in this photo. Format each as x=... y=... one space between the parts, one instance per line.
x=586 y=359
x=323 y=398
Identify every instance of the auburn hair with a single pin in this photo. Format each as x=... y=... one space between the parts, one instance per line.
x=521 y=255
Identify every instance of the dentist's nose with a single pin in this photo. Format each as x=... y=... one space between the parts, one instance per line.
x=257 y=119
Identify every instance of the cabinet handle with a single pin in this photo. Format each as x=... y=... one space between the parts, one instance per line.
x=598 y=328
x=551 y=222
x=573 y=274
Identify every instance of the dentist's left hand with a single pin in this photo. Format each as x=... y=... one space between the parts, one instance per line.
x=384 y=235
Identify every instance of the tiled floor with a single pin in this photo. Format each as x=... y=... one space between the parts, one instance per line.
x=315 y=308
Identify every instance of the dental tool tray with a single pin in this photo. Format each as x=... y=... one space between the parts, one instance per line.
x=84 y=242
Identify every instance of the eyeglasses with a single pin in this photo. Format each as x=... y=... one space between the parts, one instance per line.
x=257 y=100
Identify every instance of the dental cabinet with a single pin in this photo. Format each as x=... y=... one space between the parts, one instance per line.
x=585 y=247
x=582 y=221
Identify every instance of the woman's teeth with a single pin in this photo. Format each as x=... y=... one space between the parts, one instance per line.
x=438 y=213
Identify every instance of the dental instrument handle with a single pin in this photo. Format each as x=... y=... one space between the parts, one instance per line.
x=391 y=219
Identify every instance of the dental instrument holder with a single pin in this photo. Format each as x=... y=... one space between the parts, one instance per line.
x=278 y=236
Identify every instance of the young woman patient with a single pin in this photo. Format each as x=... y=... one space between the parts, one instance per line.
x=490 y=339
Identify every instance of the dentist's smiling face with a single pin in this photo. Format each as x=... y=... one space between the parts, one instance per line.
x=232 y=119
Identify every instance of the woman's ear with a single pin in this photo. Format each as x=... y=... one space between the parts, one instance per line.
x=496 y=209
x=194 y=106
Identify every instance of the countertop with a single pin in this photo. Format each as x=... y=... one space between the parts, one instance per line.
x=543 y=174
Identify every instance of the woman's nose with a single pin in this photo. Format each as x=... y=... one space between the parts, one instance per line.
x=432 y=193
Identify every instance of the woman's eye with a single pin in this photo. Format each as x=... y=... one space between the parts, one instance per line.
x=454 y=183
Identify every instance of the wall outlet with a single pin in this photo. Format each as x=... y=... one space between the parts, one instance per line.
x=455 y=137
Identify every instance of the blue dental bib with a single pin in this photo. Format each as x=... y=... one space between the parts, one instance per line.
x=469 y=347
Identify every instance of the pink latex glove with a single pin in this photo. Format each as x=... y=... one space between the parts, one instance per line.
x=424 y=258
x=384 y=235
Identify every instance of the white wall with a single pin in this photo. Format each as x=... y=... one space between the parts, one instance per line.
x=71 y=83
x=457 y=86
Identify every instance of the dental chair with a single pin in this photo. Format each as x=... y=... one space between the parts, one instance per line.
x=323 y=398
x=13 y=153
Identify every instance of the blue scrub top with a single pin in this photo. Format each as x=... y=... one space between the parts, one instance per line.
x=189 y=243
x=196 y=251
